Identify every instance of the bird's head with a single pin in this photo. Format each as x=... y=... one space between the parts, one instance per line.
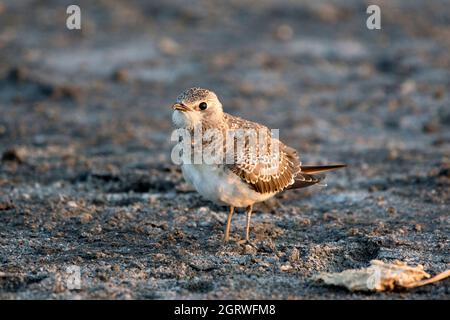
x=197 y=106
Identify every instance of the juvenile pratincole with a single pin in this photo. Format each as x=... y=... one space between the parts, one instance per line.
x=257 y=172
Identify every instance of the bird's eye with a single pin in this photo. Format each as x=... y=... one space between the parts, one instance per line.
x=203 y=106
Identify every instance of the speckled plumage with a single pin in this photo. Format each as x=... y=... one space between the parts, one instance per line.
x=270 y=171
x=193 y=94
x=257 y=171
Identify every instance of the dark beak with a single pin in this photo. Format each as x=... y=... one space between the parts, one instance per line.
x=180 y=106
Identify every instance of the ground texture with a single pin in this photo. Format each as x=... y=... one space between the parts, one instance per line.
x=86 y=178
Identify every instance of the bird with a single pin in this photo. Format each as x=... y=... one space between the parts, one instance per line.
x=248 y=179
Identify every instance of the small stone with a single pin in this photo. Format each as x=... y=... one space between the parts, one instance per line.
x=86 y=217
x=178 y=234
x=284 y=33
x=431 y=127
x=14 y=155
x=97 y=229
x=248 y=249
x=6 y=206
x=294 y=255
x=169 y=46
x=18 y=74
x=393 y=154
x=439 y=93
x=353 y=232
x=286 y=267
x=59 y=286
x=65 y=92
x=202 y=210
x=72 y=204
x=100 y=254
x=121 y=75
x=392 y=210
x=329 y=13
x=408 y=87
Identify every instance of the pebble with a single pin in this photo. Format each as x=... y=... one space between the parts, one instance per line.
x=286 y=267
x=294 y=255
x=284 y=32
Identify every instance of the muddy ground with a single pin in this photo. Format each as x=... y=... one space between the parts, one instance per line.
x=86 y=178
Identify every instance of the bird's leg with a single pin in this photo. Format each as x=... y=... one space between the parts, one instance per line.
x=247 y=229
x=227 y=229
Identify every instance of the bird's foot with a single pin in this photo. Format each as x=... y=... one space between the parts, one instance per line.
x=247 y=242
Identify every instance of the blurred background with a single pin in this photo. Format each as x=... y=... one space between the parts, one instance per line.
x=85 y=123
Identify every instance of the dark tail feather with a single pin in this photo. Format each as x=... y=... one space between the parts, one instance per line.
x=303 y=180
x=311 y=175
x=320 y=169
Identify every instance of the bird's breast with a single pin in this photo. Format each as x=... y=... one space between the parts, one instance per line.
x=218 y=184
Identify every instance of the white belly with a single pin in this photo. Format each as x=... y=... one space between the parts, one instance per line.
x=221 y=186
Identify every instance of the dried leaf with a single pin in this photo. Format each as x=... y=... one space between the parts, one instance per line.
x=381 y=276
